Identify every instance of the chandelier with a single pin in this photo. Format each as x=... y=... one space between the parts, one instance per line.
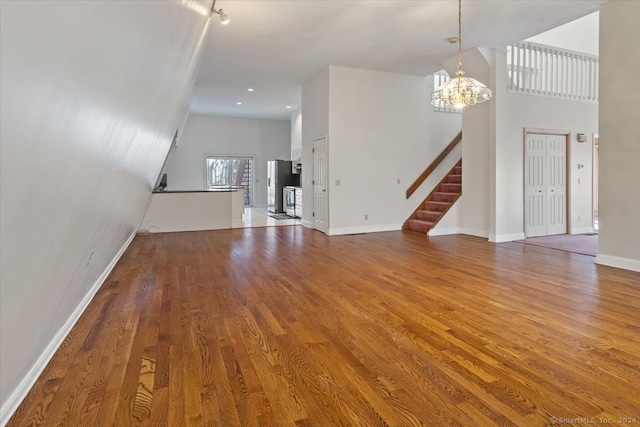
x=460 y=91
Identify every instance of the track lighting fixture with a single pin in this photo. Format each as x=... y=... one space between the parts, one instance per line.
x=224 y=19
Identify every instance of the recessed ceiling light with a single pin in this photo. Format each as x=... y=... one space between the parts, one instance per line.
x=288 y=106
x=250 y=89
x=238 y=103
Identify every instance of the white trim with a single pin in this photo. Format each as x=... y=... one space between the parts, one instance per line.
x=326 y=177
x=306 y=223
x=501 y=238
x=567 y=188
x=475 y=232
x=366 y=229
x=444 y=231
x=20 y=392
x=583 y=230
x=595 y=171
x=618 y=262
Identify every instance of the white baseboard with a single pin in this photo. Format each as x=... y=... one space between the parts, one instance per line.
x=306 y=223
x=366 y=229
x=475 y=232
x=618 y=262
x=444 y=231
x=584 y=230
x=16 y=397
x=501 y=238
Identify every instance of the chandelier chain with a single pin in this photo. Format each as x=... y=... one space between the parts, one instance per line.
x=459 y=35
x=460 y=91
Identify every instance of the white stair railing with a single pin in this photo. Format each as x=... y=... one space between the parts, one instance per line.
x=538 y=69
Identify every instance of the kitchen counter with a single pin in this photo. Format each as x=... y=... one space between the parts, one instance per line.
x=221 y=190
x=193 y=210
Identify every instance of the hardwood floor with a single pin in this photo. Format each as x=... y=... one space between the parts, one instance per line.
x=284 y=326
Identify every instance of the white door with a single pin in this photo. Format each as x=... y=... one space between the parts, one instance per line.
x=320 y=184
x=535 y=190
x=545 y=185
x=556 y=184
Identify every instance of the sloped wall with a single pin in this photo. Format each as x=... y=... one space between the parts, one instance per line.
x=580 y=35
x=92 y=94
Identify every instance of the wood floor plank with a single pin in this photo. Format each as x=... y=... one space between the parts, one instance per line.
x=285 y=326
x=39 y=400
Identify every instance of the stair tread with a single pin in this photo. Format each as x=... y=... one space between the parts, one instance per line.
x=440 y=201
x=420 y=225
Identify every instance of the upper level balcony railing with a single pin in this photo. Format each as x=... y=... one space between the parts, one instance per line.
x=538 y=69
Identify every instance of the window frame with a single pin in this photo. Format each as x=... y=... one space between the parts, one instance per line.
x=251 y=157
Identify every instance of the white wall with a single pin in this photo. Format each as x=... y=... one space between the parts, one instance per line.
x=382 y=129
x=478 y=153
x=548 y=113
x=296 y=134
x=518 y=111
x=88 y=113
x=202 y=135
x=315 y=110
x=619 y=197
x=581 y=35
x=493 y=152
x=476 y=208
x=193 y=211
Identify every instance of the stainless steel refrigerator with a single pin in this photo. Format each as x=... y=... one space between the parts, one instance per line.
x=279 y=176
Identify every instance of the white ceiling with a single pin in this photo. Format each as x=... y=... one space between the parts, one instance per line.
x=274 y=46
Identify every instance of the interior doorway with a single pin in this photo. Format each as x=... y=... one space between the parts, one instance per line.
x=546 y=209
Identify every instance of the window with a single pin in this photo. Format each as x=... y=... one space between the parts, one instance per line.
x=231 y=172
x=440 y=78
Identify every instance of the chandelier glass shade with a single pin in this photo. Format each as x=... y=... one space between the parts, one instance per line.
x=460 y=91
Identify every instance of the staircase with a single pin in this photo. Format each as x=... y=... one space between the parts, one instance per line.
x=437 y=203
